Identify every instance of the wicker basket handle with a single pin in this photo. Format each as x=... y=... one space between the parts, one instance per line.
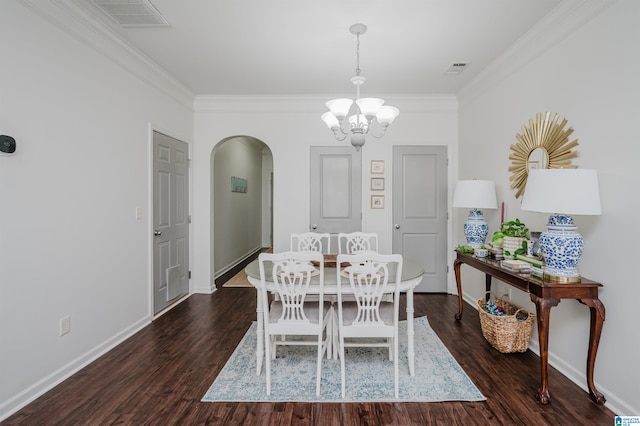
x=526 y=311
x=490 y=293
x=495 y=296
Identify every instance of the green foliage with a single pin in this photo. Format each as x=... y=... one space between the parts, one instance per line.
x=465 y=249
x=498 y=239
x=514 y=228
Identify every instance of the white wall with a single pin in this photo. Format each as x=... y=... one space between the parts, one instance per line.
x=70 y=244
x=289 y=127
x=589 y=78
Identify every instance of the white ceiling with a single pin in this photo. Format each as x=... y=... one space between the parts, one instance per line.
x=304 y=47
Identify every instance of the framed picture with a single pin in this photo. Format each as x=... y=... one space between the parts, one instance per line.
x=377 y=201
x=238 y=184
x=377 y=184
x=377 y=166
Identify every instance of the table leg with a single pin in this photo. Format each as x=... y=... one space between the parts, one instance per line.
x=543 y=310
x=259 y=333
x=597 y=321
x=487 y=285
x=410 y=332
x=330 y=333
x=456 y=269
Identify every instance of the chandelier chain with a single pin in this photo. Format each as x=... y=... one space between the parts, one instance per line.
x=358 y=54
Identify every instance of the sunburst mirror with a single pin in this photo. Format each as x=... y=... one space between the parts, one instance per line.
x=544 y=144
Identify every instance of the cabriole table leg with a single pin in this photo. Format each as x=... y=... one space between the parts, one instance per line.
x=543 y=309
x=456 y=270
x=597 y=321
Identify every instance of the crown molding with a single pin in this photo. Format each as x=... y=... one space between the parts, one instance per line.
x=71 y=18
x=563 y=20
x=315 y=103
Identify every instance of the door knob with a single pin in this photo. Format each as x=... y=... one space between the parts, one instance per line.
x=314 y=226
x=157 y=232
x=397 y=226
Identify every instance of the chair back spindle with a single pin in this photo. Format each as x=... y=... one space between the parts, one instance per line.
x=311 y=241
x=357 y=242
x=369 y=282
x=291 y=279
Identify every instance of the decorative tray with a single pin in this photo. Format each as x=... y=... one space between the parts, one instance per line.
x=345 y=273
x=330 y=261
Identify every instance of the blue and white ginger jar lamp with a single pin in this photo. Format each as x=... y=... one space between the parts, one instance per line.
x=571 y=192
x=475 y=195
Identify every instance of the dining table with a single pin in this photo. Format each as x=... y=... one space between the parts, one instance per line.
x=411 y=276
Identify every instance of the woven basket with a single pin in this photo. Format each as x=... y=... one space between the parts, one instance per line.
x=509 y=333
x=511 y=244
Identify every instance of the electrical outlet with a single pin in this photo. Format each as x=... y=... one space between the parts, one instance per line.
x=506 y=290
x=502 y=290
x=65 y=325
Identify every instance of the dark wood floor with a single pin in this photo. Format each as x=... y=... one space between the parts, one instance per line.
x=159 y=376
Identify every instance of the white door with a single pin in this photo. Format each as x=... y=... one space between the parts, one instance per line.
x=170 y=220
x=336 y=200
x=420 y=211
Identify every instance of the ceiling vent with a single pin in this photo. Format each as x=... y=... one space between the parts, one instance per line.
x=132 y=13
x=457 y=67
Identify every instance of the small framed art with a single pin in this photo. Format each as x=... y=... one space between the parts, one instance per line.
x=377 y=166
x=377 y=184
x=377 y=201
x=238 y=184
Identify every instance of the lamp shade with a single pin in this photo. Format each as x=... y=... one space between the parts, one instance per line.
x=330 y=120
x=386 y=114
x=339 y=107
x=369 y=106
x=475 y=194
x=568 y=191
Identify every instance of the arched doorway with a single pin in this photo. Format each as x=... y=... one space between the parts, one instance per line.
x=241 y=203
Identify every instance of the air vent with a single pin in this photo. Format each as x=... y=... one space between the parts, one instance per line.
x=457 y=67
x=132 y=13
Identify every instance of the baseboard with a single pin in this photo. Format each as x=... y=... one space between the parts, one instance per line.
x=39 y=388
x=231 y=272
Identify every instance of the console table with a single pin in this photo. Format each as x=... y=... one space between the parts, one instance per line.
x=545 y=295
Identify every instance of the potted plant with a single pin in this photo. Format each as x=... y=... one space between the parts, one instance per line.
x=514 y=236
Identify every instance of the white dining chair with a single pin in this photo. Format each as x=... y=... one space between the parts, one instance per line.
x=369 y=278
x=290 y=314
x=354 y=242
x=311 y=241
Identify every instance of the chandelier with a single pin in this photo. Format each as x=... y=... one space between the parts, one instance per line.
x=360 y=114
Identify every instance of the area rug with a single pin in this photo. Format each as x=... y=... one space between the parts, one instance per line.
x=369 y=374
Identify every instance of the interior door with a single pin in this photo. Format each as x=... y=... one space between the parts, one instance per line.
x=336 y=191
x=170 y=220
x=420 y=211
